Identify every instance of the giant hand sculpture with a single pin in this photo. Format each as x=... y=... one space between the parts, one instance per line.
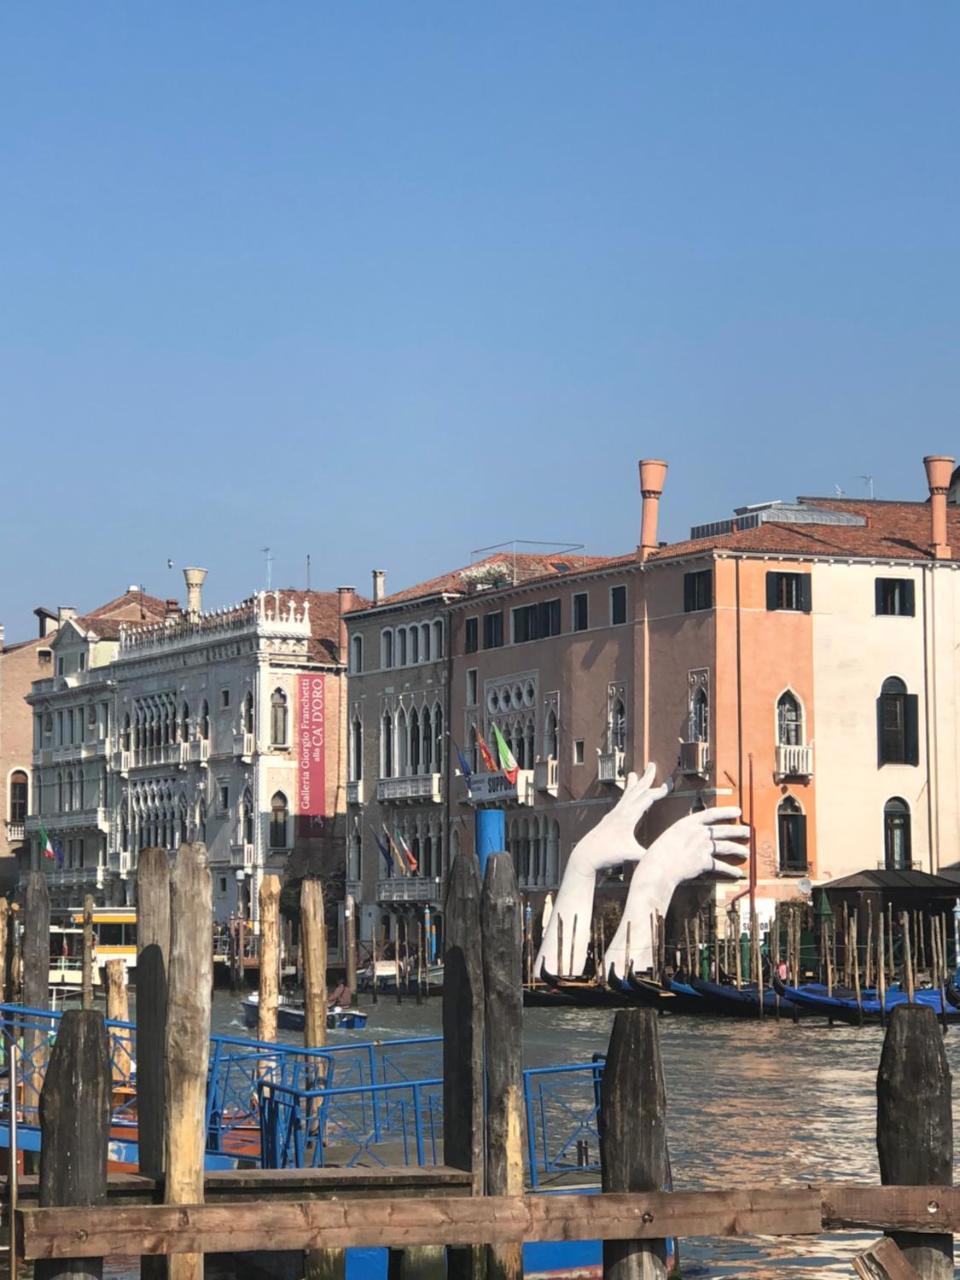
x=693 y=846
x=611 y=842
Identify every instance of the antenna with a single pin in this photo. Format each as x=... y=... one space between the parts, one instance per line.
x=308 y=570
x=838 y=490
x=868 y=481
x=268 y=558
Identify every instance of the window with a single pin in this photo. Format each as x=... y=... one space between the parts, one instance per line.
x=356 y=653
x=402 y=647
x=205 y=721
x=386 y=649
x=535 y=621
x=698 y=590
x=248 y=713
x=618 y=605
x=224 y=698
x=792 y=837
x=699 y=716
x=896 y=835
x=897 y=724
x=551 y=734
x=19 y=789
x=386 y=745
x=895 y=597
x=789 y=592
x=224 y=795
x=356 y=750
x=223 y=884
x=278 y=718
x=580 y=612
x=82 y=662
x=414 y=644
x=493 y=630
x=578 y=751
x=278 y=821
x=472 y=687
x=202 y=822
x=618 y=726
x=789 y=721
x=471 y=631
x=438 y=639
x=247 y=817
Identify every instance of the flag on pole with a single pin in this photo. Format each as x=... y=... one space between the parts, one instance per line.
x=486 y=753
x=508 y=762
x=46 y=844
x=384 y=850
x=408 y=854
x=397 y=856
x=464 y=764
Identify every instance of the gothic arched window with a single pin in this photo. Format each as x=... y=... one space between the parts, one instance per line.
x=279 y=815
x=278 y=718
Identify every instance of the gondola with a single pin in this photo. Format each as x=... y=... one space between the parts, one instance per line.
x=674 y=995
x=728 y=1001
x=869 y=1010
x=585 y=993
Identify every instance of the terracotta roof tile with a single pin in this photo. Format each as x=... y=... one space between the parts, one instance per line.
x=528 y=568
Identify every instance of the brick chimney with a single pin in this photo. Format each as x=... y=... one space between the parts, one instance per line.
x=171 y=609
x=652 y=475
x=346 y=599
x=65 y=612
x=379 y=585
x=194 y=579
x=939 y=470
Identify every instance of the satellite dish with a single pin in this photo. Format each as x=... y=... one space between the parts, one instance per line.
x=805 y=887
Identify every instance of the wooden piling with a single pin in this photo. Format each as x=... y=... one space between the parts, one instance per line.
x=36 y=984
x=374 y=957
x=350 y=929
x=4 y=934
x=907 y=955
x=75 y=1130
x=88 y=957
x=187 y=1054
x=118 y=1010
x=633 y=1137
x=269 y=993
x=881 y=969
x=463 y=1042
x=503 y=1009
x=313 y=935
x=915 y=1125
x=153 y=957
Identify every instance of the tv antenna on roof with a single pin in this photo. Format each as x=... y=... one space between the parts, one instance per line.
x=868 y=481
x=268 y=558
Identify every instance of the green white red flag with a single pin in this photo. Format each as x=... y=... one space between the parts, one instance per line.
x=508 y=761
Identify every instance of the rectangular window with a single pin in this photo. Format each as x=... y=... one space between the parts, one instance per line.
x=471 y=631
x=493 y=630
x=536 y=621
x=580 y=612
x=224 y=697
x=224 y=797
x=895 y=597
x=618 y=605
x=788 y=592
x=698 y=591
x=578 y=751
x=472 y=687
x=82 y=662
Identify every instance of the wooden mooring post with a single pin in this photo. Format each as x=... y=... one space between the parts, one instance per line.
x=915 y=1125
x=36 y=985
x=189 y=992
x=75 y=1129
x=88 y=958
x=153 y=958
x=269 y=995
x=501 y=929
x=633 y=1136
x=118 y=1010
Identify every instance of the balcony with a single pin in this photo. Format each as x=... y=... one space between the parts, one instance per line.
x=75 y=820
x=196 y=751
x=163 y=753
x=546 y=775
x=16 y=832
x=410 y=889
x=355 y=791
x=496 y=788
x=93 y=750
x=243 y=745
x=121 y=762
x=794 y=761
x=418 y=786
x=242 y=855
x=610 y=766
x=694 y=758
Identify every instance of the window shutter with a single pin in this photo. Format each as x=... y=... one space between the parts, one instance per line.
x=878 y=596
x=911 y=729
x=881 y=753
x=909 y=599
x=806 y=595
x=709 y=581
x=801 y=842
x=688 y=593
x=772 y=579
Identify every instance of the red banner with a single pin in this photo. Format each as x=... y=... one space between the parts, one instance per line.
x=311 y=750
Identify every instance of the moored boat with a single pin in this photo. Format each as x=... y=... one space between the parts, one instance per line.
x=291 y=1015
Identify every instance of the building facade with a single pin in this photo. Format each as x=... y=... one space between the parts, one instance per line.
x=224 y=727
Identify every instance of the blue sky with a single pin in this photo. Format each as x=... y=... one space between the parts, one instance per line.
x=385 y=283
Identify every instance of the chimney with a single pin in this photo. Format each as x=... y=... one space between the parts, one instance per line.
x=171 y=609
x=64 y=612
x=652 y=475
x=194 y=580
x=346 y=599
x=939 y=470
x=379 y=585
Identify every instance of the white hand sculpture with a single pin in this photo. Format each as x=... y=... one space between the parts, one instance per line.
x=611 y=842
x=692 y=846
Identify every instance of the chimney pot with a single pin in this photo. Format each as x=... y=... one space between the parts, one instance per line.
x=653 y=473
x=65 y=611
x=194 y=578
x=939 y=469
x=379 y=585
x=346 y=599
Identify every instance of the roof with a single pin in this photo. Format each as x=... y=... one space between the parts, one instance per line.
x=893 y=531
x=890 y=881
x=518 y=567
x=133 y=606
x=324 y=620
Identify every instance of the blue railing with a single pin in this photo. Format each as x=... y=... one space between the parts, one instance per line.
x=562 y=1107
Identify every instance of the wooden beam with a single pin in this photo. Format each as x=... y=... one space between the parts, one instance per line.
x=895 y=1208
x=153 y=958
x=341 y=1224
x=883 y=1261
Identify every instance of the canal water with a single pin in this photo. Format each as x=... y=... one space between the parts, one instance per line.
x=749 y=1103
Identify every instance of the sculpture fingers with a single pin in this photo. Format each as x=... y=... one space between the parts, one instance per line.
x=730 y=849
x=722 y=813
x=724 y=869
x=732 y=831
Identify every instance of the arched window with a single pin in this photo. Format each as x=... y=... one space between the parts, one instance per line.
x=356 y=750
x=403 y=744
x=278 y=718
x=402 y=647
x=618 y=726
x=426 y=740
x=246 y=816
x=792 y=837
x=414 y=645
x=551 y=735
x=437 y=639
x=700 y=716
x=789 y=721
x=896 y=835
x=202 y=822
x=386 y=745
x=69 y=789
x=414 y=731
x=425 y=642
x=184 y=723
x=897 y=727
x=278 y=821
x=248 y=713
x=205 y=720
x=439 y=754
x=353 y=856
x=386 y=649
x=183 y=832
x=126 y=732
x=19 y=795
x=529 y=739
x=356 y=653
x=473 y=749
x=426 y=866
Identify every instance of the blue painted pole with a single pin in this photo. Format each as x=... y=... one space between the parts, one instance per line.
x=491 y=835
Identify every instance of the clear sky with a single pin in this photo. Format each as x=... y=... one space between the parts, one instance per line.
x=387 y=282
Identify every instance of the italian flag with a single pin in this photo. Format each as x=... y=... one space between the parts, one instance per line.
x=46 y=844
x=507 y=762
